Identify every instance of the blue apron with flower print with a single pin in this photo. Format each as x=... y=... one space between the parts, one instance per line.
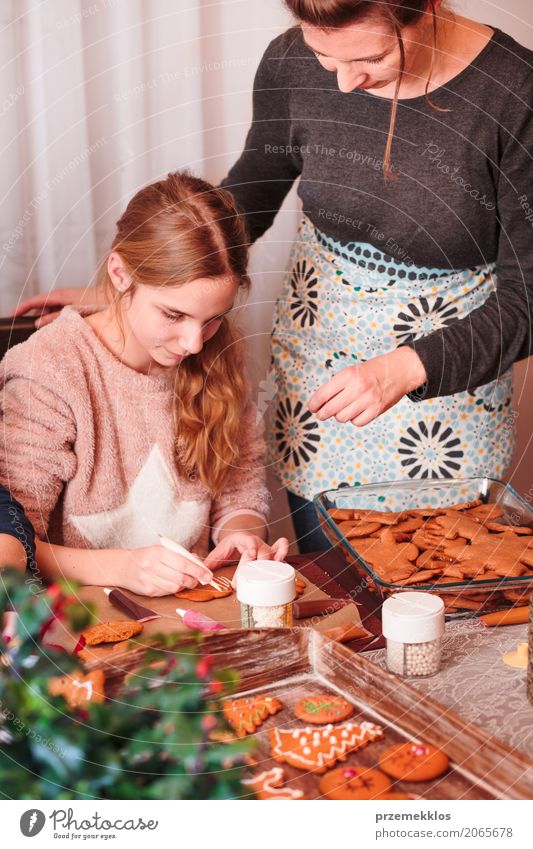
x=343 y=304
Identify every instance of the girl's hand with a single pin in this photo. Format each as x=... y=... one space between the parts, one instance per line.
x=50 y=304
x=156 y=571
x=246 y=546
x=359 y=394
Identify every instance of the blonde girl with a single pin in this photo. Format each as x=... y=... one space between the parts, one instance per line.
x=132 y=420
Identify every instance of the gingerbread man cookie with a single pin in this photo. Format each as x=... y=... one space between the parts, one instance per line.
x=78 y=689
x=316 y=750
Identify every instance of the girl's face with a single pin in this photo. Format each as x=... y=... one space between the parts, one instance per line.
x=366 y=55
x=164 y=325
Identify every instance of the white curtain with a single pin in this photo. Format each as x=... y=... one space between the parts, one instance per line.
x=99 y=97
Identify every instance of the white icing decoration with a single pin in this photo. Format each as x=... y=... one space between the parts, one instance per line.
x=268 y=779
x=86 y=685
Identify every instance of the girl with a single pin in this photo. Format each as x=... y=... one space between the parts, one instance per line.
x=131 y=421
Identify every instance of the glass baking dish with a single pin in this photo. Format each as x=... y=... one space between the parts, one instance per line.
x=395 y=496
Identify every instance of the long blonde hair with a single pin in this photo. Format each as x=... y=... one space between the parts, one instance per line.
x=172 y=232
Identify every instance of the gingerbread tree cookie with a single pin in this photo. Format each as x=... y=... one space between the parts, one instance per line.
x=245 y=715
x=317 y=750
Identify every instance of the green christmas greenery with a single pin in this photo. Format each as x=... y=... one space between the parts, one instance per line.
x=152 y=741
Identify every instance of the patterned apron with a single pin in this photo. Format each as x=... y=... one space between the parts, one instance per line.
x=346 y=303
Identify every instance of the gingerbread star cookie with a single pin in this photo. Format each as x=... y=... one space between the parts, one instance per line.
x=270 y=785
x=78 y=689
x=316 y=750
x=246 y=715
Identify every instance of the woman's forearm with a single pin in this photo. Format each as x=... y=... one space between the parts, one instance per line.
x=99 y=567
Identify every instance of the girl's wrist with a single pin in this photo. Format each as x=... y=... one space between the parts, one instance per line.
x=120 y=568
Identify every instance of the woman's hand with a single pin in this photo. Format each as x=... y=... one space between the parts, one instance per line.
x=156 y=571
x=359 y=394
x=245 y=546
x=50 y=304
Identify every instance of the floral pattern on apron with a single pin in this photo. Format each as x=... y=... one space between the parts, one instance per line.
x=343 y=304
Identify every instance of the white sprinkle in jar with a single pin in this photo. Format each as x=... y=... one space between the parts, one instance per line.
x=413 y=625
x=266 y=590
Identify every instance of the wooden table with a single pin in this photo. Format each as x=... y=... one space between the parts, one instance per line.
x=473 y=680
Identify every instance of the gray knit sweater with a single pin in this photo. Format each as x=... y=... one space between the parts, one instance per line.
x=462 y=197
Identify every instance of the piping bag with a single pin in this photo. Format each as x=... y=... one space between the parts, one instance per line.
x=198 y=621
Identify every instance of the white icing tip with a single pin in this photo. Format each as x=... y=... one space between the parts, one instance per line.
x=107 y=590
x=180 y=612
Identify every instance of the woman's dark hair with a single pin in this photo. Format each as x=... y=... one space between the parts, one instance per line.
x=333 y=14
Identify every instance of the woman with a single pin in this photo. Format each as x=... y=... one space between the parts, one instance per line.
x=407 y=301
x=137 y=421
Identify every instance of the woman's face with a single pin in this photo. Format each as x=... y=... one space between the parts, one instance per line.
x=164 y=325
x=366 y=54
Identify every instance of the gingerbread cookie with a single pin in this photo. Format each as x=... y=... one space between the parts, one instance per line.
x=111 y=632
x=246 y=715
x=397 y=796
x=269 y=785
x=316 y=750
x=78 y=689
x=91 y=653
x=347 y=782
x=413 y=761
x=322 y=709
x=346 y=633
x=301 y=586
x=203 y=594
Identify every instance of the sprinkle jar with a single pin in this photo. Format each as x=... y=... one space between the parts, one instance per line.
x=266 y=590
x=413 y=625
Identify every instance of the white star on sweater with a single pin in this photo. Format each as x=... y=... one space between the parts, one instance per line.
x=150 y=509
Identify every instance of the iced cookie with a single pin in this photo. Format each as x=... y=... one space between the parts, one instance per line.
x=270 y=785
x=78 y=689
x=318 y=749
x=414 y=762
x=347 y=782
x=322 y=709
x=246 y=715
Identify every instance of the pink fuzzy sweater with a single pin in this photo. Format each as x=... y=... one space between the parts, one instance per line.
x=88 y=448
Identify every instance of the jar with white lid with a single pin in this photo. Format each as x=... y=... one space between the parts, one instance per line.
x=266 y=590
x=413 y=625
